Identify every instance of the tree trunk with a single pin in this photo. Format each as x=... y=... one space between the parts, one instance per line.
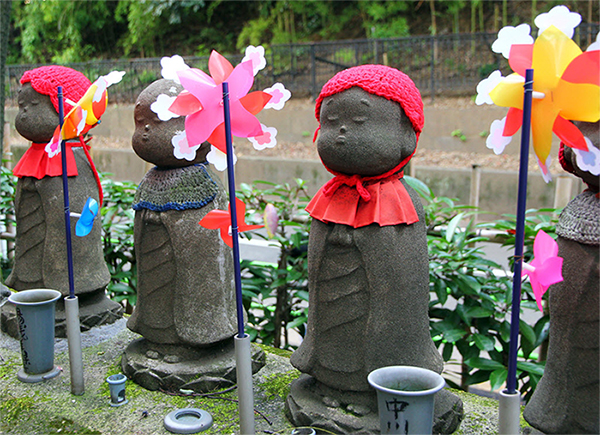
x=433 y=20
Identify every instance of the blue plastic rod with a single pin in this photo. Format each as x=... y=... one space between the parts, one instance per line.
x=63 y=156
x=511 y=381
x=233 y=211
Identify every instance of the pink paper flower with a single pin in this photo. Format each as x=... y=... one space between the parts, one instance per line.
x=257 y=56
x=268 y=139
x=279 y=96
x=182 y=148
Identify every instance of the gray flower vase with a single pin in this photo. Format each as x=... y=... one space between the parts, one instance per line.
x=35 y=316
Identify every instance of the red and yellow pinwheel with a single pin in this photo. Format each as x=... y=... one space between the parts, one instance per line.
x=86 y=112
x=566 y=88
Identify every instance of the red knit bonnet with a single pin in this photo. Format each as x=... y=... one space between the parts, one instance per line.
x=380 y=80
x=46 y=79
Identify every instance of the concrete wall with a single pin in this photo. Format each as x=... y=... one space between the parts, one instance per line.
x=296 y=123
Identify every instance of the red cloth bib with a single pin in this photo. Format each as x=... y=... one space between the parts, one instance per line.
x=36 y=163
x=359 y=201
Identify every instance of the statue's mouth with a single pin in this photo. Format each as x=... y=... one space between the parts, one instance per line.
x=341 y=140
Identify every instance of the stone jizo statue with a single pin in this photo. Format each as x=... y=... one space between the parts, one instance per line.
x=40 y=249
x=185 y=308
x=367 y=258
x=567 y=398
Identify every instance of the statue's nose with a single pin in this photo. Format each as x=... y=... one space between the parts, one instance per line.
x=343 y=129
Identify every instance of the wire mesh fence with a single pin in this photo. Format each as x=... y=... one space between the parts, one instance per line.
x=443 y=65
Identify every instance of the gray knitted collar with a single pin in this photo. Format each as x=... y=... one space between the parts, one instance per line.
x=580 y=220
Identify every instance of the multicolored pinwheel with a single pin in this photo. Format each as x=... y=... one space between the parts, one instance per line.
x=86 y=112
x=566 y=84
x=221 y=220
x=546 y=267
x=201 y=102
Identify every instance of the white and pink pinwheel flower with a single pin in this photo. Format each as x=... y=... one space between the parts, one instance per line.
x=201 y=102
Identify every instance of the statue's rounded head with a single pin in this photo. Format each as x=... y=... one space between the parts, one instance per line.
x=569 y=161
x=151 y=139
x=370 y=119
x=38 y=99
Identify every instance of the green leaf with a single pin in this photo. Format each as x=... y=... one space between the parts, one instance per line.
x=478 y=377
x=440 y=291
x=483 y=342
x=452 y=226
x=453 y=335
x=497 y=378
x=462 y=313
x=447 y=352
x=418 y=185
x=527 y=332
x=479 y=312
x=531 y=367
x=483 y=364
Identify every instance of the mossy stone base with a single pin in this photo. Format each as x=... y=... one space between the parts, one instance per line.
x=171 y=367
x=310 y=403
x=95 y=309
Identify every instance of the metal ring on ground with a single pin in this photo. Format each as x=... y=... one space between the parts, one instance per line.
x=188 y=420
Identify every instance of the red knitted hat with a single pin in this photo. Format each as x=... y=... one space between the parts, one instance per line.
x=46 y=79
x=380 y=80
x=566 y=165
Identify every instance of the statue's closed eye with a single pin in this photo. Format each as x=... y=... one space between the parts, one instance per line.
x=360 y=119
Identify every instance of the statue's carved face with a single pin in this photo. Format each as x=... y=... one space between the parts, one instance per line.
x=151 y=139
x=37 y=118
x=363 y=134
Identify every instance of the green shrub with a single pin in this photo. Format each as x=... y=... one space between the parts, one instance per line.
x=276 y=295
x=471 y=297
x=8 y=183
x=117 y=240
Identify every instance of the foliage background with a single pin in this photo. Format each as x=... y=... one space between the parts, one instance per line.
x=44 y=31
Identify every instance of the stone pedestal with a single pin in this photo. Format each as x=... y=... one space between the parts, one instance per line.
x=171 y=367
x=311 y=403
x=95 y=309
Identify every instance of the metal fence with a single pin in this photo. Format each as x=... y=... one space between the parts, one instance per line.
x=439 y=65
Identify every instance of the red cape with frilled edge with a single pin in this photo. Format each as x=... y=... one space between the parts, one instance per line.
x=388 y=203
x=36 y=162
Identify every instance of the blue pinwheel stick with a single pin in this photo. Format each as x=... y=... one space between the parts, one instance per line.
x=233 y=212
x=511 y=381
x=242 y=341
x=65 y=181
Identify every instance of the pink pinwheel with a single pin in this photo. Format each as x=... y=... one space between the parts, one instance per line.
x=221 y=220
x=202 y=102
x=546 y=267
